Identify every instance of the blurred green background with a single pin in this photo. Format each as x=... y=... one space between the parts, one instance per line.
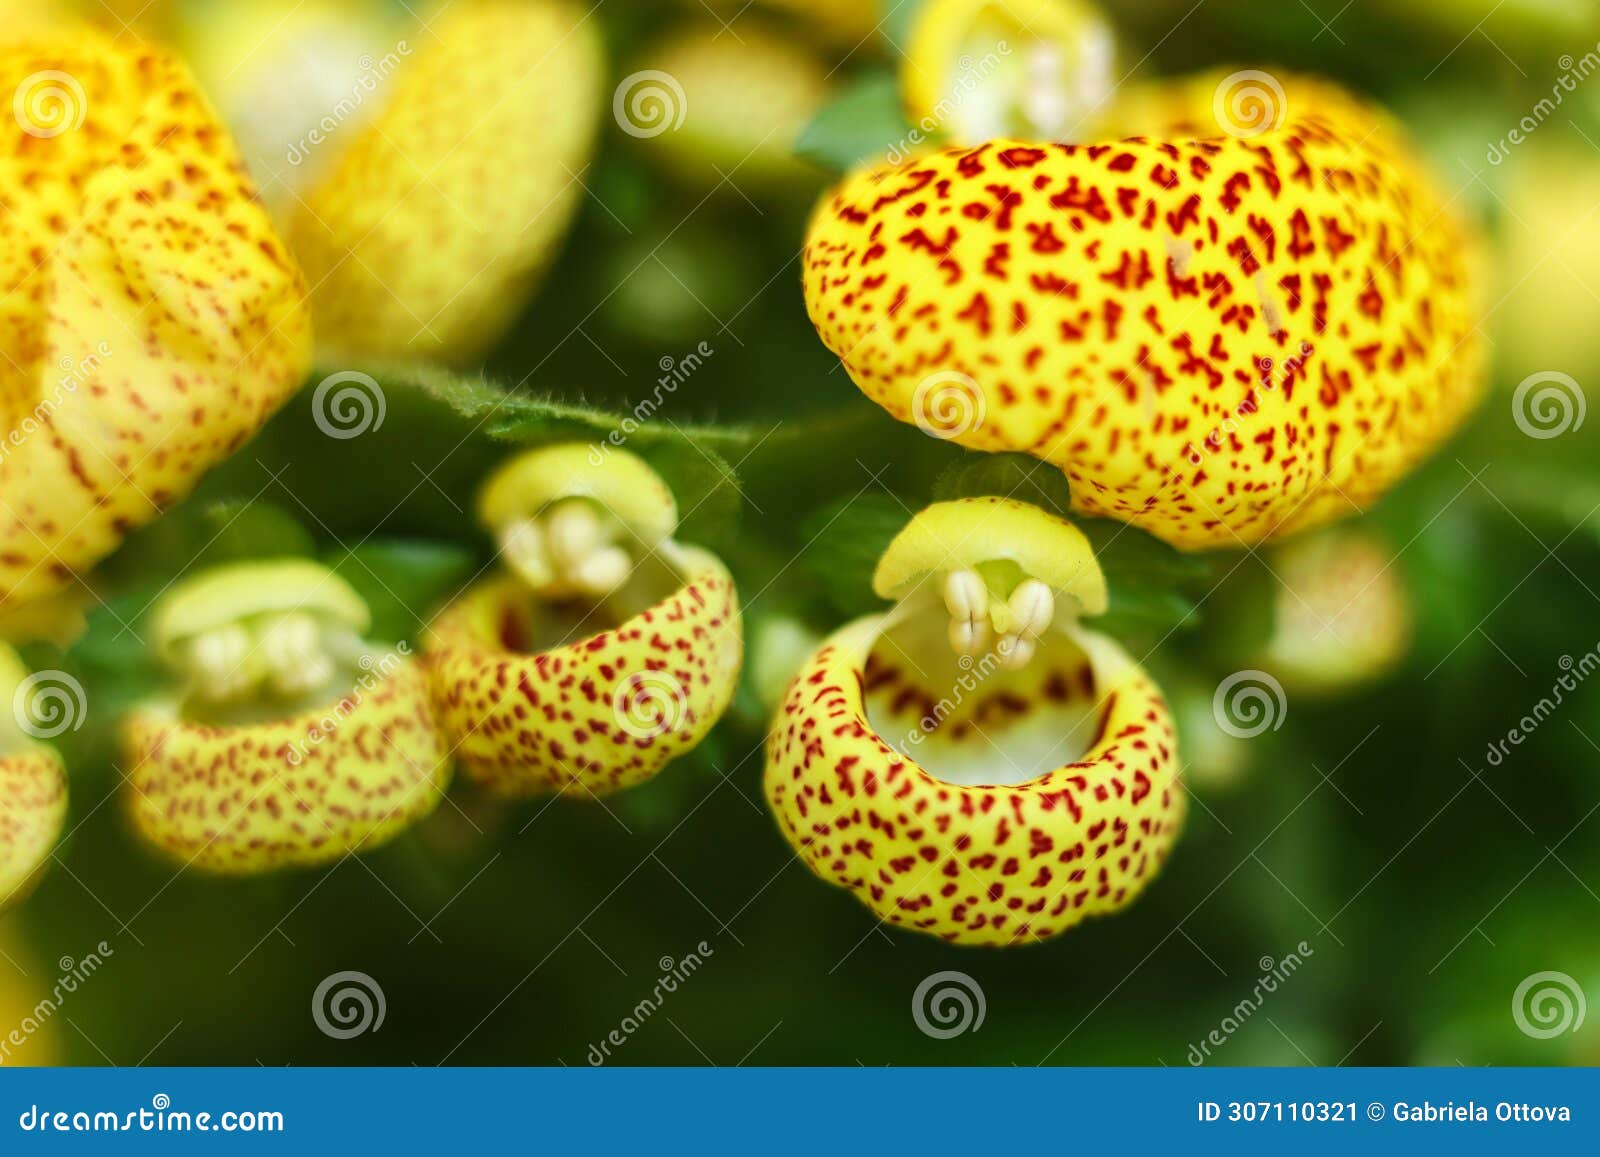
x=1425 y=880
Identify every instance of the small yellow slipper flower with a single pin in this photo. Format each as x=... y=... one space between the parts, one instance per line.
x=974 y=70
x=427 y=233
x=1343 y=614
x=294 y=741
x=975 y=764
x=714 y=105
x=607 y=650
x=1227 y=331
x=33 y=786
x=152 y=321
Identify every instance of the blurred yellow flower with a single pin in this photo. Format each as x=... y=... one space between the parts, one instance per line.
x=1343 y=614
x=151 y=320
x=426 y=170
x=974 y=70
x=1549 y=273
x=33 y=786
x=292 y=740
x=28 y=1007
x=715 y=106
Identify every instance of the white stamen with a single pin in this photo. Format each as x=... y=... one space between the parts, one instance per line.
x=603 y=571
x=1034 y=605
x=522 y=544
x=292 y=653
x=965 y=595
x=567 y=550
x=1044 y=102
x=970 y=637
x=572 y=532
x=222 y=662
x=1014 y=652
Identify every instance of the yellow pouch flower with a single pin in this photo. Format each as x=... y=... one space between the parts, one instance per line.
x=33 y=787
x=151 y=320
x=1254 y=320
x=426 y=235
x=719 y=110
x=975 y=764
x=294 y=741
x=608 y=650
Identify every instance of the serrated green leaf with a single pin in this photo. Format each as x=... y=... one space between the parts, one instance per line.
x=529 y=420
x=864 y=122
x=1017 y=476
x=846 y=540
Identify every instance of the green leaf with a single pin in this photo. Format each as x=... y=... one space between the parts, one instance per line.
x=530 y=420
x=688 y=456
x=1130 y=554
x=1146 y=611
x=204 y=532
x=403 y=580
x=898 y=18
x=243 y=529
x=1240 y=601
x=709 y=494
x=1154 y=589
x=846 y=540
x=864 y=122
x=1018 y=476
